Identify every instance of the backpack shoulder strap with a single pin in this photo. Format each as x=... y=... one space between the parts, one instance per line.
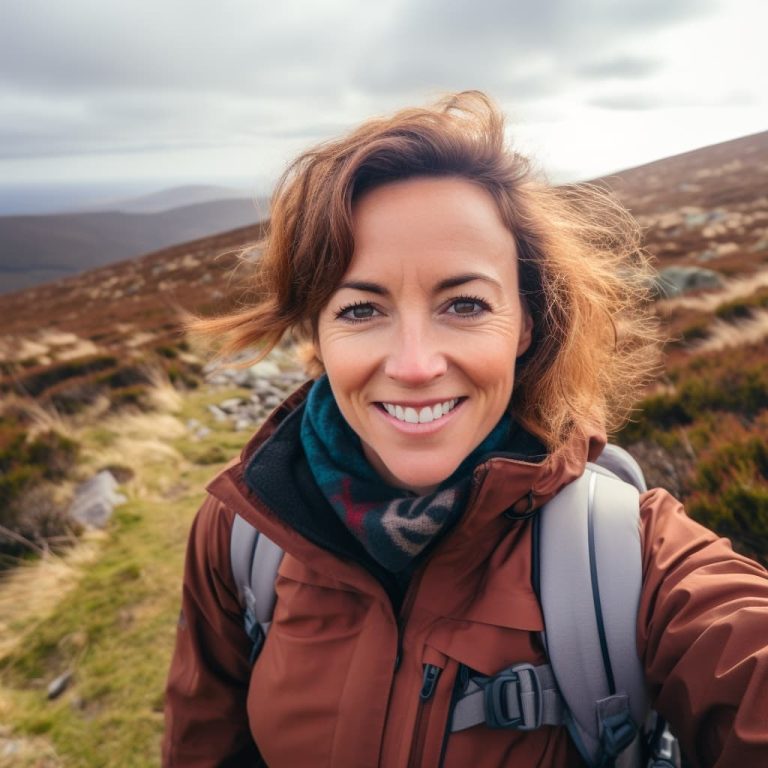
x=588 y=565
x=255 y=559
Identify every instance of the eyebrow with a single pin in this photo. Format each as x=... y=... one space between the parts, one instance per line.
x=443 y=285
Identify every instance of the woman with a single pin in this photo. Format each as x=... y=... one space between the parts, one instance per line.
x=475 y=333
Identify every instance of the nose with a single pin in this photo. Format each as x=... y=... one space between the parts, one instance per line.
x=416 y=356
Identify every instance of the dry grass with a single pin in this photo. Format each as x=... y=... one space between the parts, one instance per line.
x=30 y=593
x=725 y=335
x=41 y=418
x=46 y=346
x=25 y=752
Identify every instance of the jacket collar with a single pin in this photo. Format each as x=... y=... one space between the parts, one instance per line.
x=271 y=487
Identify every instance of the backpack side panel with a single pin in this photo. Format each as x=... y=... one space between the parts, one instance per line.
x=589 y=584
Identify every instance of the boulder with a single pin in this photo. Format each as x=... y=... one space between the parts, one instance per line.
x=95 y=499
x=678 y=280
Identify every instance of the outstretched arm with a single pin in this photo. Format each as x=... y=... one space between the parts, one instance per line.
x=703 y=637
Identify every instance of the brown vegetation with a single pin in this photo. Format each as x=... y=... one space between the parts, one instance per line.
x=93 y=337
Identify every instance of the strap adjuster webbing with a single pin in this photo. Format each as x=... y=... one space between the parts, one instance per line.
x=522 y=697
x=617 y=729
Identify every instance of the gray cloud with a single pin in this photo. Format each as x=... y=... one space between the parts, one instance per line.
x=627 y=101
x=625 y=67
x=87 y=77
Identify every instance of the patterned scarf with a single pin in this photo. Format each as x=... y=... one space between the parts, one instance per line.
x=394 y=525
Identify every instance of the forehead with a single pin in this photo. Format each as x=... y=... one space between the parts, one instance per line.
x=434 y=224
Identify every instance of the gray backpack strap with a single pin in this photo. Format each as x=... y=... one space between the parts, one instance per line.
x=255 y=559
x=622 y=464
x=589 y=581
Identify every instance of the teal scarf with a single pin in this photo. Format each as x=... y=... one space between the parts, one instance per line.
x=394 y=525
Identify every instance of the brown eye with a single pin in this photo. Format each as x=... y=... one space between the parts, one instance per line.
x=467 y=307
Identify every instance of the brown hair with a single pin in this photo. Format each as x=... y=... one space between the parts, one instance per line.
x=582 y=272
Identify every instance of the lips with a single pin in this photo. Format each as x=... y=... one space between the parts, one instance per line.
x=423 y=415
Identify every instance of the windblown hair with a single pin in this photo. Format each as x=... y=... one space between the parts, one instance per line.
x=582 y=272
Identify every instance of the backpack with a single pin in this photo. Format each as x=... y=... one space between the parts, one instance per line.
x=587 y=573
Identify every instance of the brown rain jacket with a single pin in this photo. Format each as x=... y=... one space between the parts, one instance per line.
x=338 y=680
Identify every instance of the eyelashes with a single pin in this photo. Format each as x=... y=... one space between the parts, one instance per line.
x=468 y=301
x=357 y=312
x=465 y=307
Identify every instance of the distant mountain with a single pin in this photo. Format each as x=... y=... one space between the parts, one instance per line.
x=177 y=197
x=36 y=249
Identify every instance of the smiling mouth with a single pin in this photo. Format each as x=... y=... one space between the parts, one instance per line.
x=424 y=415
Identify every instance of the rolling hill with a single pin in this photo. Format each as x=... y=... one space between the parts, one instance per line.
x=39 y=249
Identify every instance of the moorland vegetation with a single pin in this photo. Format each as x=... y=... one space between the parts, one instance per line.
x=94 y=374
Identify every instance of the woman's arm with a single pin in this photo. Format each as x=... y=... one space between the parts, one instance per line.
x=205 y=708
x=703 y=637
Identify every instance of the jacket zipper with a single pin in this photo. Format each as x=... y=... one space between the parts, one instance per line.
x=459 y=686
x=431 y=673
x=428 y=685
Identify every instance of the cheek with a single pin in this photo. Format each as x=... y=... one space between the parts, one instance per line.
x=347 y=366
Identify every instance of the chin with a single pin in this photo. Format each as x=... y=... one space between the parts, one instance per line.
x=420 y=480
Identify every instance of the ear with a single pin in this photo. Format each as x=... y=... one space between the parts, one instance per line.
x=526 y=329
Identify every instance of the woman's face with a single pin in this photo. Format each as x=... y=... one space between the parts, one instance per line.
x=420 y=338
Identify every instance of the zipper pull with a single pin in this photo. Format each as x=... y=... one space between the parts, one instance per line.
x=429 y=681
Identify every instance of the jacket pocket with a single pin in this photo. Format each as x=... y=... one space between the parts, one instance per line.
x=469 y=648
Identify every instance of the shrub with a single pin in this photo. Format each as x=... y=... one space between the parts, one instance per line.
x=124 y=376
x=73 y=397
x=167 y=351
x=135 y=395
x=27 y=470
x=742 y=307
x=39 y=380
x=38 y=521
x=740 y=512
x=49 y=455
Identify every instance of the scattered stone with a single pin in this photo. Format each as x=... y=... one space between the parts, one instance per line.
x=95 y=499
x=218 y=414
x=726 y=249
x=231 y=405
x=264 y=369
x=59 y=685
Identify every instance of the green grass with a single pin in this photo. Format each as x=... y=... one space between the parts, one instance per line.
x=115 y=629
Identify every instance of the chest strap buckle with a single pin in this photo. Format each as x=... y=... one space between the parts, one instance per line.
x=513 y=699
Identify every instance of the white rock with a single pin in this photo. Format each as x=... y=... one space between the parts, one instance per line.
x=230 y=405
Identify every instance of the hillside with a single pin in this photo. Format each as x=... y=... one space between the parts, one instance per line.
x=38 y=249
x=177 y=197
x=78 y=350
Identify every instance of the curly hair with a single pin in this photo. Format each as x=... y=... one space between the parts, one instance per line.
x=582 y=271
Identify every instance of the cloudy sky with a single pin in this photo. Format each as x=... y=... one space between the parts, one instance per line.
x=188 y=91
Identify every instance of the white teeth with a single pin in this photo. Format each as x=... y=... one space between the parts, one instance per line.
x=425 y=415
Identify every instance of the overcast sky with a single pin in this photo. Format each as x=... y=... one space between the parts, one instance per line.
x=184 y=91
